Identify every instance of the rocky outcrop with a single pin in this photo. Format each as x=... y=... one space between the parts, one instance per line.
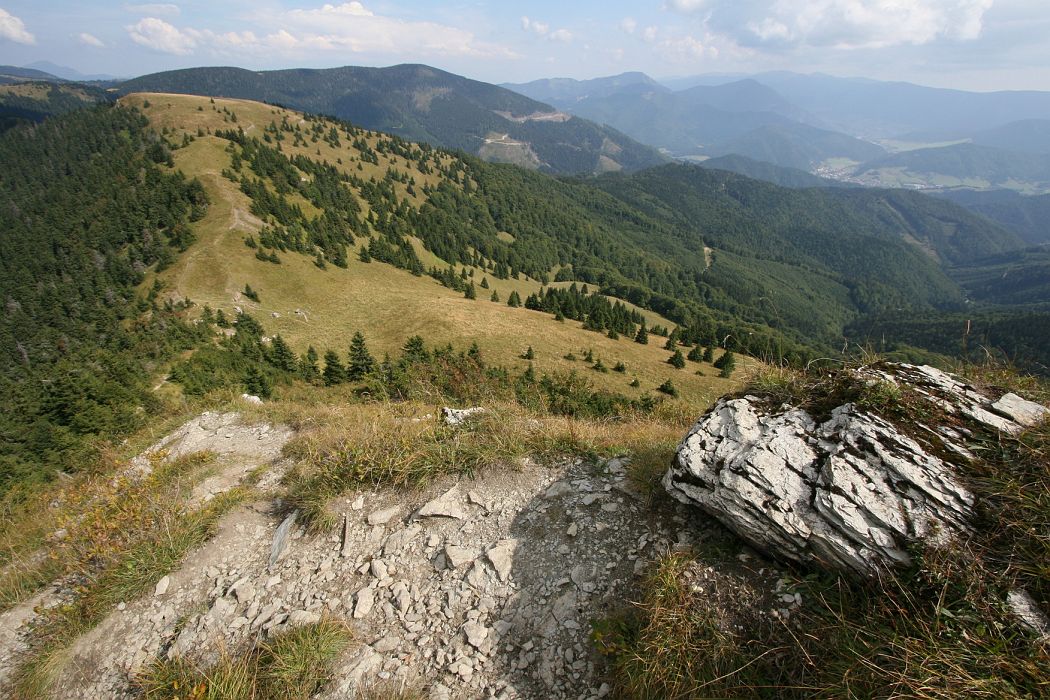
x=849 y=493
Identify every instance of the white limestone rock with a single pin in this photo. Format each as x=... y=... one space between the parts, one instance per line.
x=850 y=493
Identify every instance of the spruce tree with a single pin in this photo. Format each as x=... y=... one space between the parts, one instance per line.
x=257 y=384
x=308 y=368
x=643 y=335
x=668 y=388
x=514 y=300
x=676 y=360
x=709 y=353
x=620 y=367
x=726 y=363
x=495 y=296
x=471 y=292
x=484 y=282
x=281 y=356
x=334 y=371
x=415 y=350
x=361 y=361
x=671 y=343
x=695 y=355
x=529 y=354
x=635 y=383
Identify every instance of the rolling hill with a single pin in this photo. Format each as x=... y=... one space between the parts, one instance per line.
x=1026 y=215
x=768 y=172
x=425 y=104
x=795 y=145
x=685 y=122
x=1025 y=136
x=960 y=165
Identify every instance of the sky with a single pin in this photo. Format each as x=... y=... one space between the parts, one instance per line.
x=965 y=44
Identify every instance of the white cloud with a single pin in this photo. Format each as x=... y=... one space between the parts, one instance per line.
x=351 y=26
x=686 y=49
x=649 y=34
x=543 y=30
x=14 y=29
x=628 y=25
x=90 y=40
x=843 y=24
x=300 y=33
x=155 y=9
x=158 y=35
x=537 y=28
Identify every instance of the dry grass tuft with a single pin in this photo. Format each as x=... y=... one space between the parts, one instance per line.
x=292 y=666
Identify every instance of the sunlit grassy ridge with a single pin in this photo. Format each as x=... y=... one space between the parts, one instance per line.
x=387 y=304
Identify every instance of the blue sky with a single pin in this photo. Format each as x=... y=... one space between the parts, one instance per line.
x=970 y=44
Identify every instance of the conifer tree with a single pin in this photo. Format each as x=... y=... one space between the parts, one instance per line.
x=676 y=360
x=257 y=384
x=514 y=300
x=415 y=350
x=529 y=354
x=281 y=356
x=620 y=367
x=334 y=371
x=361 y=361
x=484 y=282
x=308 y=368
x=696 y=354
x=613 y=335
x=635 y=383
x=643 y=335
x=495 y=296
x=726 y=363
x=668 y=388
x=671 y=343
x=471 y=292
x=709 y=353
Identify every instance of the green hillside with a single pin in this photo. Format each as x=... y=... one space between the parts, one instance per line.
x=963 y=164
x=420 y=103
x=794 y=145
x=1026 y=215
x=35 y=101
x=767 y=172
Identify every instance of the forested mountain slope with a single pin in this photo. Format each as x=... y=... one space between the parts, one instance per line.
x=421 y=103
x=85 y=208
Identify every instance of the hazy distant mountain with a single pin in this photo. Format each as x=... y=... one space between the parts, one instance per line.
x=425 y=104
x=795 y=145
x=768 y=172
x=983 y=165
x=564 y=92
x=15 y=74
x=66 y=72
x=878 y=109
x=684 y=123
x=1026 y=136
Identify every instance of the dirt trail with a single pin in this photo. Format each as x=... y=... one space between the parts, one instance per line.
x=472 y=588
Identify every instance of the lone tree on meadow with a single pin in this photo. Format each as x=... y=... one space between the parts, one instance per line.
x=514 y=299
x=726 y=363
x=676 y=360
x=361 y=361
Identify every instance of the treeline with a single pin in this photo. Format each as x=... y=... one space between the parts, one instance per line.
x=1018 y=337
x=570 y=226
x=246 y=360
x=85 y=210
